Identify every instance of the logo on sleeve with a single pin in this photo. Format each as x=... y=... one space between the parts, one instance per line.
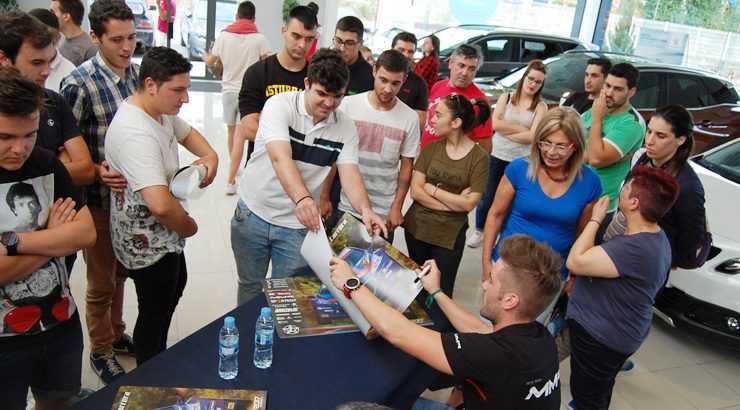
x=549 y=387
x=457 y=341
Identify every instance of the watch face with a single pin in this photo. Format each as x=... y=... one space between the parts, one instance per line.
x=352 y=283
x=9 y=238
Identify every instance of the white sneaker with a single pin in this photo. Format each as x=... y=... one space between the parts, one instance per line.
x=475 y=240
x=230 y=189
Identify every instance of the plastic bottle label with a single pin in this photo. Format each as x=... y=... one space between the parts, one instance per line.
x=228 y=350
x=265 y=338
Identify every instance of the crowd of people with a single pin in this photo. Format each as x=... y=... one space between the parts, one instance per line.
x=582 y=201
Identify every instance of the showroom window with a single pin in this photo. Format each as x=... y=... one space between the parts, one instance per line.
x=696 y=33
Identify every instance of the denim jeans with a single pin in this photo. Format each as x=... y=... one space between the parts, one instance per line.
x=255 y=242
x=52 y=368
x=495 y=174
x=423 y=403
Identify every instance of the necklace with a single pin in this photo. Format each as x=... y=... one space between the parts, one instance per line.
x=553 y=177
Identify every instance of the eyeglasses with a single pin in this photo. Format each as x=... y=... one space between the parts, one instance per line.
x=534 y=80
x=559 y=148
x=338 y=42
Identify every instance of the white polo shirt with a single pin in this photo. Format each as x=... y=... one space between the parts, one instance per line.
x=315 y=148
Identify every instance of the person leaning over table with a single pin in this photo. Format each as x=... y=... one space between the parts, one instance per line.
x=512 y=364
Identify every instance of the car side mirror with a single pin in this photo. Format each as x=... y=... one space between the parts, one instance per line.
x=188 y=14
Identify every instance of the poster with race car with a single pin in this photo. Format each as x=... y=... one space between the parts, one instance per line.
x=176 y=398
x=387 y=272
x=303 y=306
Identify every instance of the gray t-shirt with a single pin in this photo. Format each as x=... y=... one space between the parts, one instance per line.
x=78 y=49
x=145 y=153
x=617 y=312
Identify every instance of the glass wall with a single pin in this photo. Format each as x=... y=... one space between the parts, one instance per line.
x=695 y=33
x=385 y=18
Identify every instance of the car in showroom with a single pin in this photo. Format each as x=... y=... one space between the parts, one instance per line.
x=706 y=301
x=506 y=50
x=144 y=27
x=452 y=35
x=193 y=24
x=712 y=100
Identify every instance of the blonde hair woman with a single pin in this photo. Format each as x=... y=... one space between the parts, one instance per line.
x=515 y=118
x=548 y=195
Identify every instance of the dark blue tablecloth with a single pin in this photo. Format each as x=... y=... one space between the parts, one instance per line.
x=317 y=372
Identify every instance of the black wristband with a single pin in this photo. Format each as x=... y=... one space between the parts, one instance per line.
x=298 y=201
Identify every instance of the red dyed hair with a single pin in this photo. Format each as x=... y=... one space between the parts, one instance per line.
x=656 y=190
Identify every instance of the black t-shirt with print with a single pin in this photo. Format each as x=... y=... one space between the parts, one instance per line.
x=414 y=92
x=264 y=79
x=40 y=305
x=513 y=368
x=57 y=123
x=360 y=77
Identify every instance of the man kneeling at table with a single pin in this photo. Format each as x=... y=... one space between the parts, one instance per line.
x=510 y=365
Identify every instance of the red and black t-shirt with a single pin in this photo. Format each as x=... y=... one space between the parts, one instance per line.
x=514 y=368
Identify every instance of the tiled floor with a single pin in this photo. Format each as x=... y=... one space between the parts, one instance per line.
x=674 y=371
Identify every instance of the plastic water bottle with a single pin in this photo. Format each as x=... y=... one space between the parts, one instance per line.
x=228 y=349
x=263 y=334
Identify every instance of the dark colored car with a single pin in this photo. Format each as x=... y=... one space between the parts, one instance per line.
x=712 y=100
x=455 y=35
x=193 y=24
x=506 y=50
x=326 y=306
x=144 y=28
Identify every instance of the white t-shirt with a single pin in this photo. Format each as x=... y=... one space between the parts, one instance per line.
x=384 y=137
x=145 y=153
x=315 y=148
x=237 y=52
x=59 y=67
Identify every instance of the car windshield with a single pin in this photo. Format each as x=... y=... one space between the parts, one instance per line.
x=452 y=37
x=225 y=12
x=136 y=7
x=725 y=162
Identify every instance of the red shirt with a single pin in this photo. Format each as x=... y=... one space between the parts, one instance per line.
x=441 y=90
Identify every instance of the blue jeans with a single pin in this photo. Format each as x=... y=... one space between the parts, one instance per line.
x=495 y=173
x=255 y=242
x=425 y=404
x=52 y=368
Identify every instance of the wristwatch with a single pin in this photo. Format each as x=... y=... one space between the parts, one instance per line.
x=351 y=285
x=10 y=241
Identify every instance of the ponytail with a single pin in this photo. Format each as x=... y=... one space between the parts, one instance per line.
x=472 y=113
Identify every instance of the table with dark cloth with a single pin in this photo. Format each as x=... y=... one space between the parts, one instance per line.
x=316 y=372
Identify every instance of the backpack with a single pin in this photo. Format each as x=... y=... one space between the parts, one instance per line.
x=700 y=254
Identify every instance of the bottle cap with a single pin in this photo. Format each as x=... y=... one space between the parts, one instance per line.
x=229 y=321
x=266 y=311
